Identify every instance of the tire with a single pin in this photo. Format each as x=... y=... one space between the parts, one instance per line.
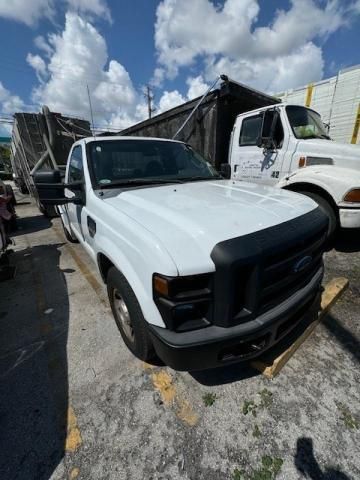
x=328 y=210
x=132 y=327
x=70 y=237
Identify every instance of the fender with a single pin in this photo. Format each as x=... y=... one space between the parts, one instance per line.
x=335 y=181
x=136 y=276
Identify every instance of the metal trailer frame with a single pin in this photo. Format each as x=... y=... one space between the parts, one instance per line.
x=42 y=141
x=206 y=122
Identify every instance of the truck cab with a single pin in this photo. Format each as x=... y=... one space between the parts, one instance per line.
x=288 y=146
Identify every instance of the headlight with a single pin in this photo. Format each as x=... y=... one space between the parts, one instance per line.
x=353 y=196
x=183 y=302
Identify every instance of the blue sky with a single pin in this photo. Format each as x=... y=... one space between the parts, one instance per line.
x=178 y=46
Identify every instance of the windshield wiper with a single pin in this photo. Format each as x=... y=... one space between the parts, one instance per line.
x=139 y=182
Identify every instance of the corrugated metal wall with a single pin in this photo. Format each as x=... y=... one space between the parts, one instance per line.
x=337 y=99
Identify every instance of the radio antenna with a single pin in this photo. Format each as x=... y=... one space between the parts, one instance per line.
x=91 y=111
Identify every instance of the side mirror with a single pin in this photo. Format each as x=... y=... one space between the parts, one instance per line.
x=50 y=189
x=225 y=170
x=266 y=139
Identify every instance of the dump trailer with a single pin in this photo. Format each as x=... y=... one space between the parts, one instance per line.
x=209 y=128
x=42 y=141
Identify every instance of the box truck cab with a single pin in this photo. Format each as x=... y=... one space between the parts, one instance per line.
x=288 y=146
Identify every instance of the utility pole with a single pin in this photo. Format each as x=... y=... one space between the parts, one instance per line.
x=149 y=98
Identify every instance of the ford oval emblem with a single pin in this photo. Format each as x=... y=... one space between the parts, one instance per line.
x=302 y=263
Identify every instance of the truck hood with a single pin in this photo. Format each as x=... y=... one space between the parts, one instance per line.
x=343 y=154
x=191 y=218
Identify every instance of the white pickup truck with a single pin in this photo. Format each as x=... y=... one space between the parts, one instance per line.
x=287 y=146
x=200 y=270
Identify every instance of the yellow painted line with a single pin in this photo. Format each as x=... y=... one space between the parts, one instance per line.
x=73 y=437
x=147 y=366
x=74 y=473
x=356 y=127
x=186 y=413
x=163 y=383
x=309 y=93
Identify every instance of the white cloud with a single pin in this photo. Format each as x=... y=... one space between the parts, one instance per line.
x=79 y=59
x=226 y=39
x=298 y=68
x=38 y=64
x=170 y=100
x=158 y=77
x=31 y=11
x=43 y=45
x=356 y=7
x=9 y=103
x=27 y=11
x=197 y=87
x=95 y=7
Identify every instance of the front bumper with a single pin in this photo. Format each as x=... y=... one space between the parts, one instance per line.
x=216 y=346
x=349 y=217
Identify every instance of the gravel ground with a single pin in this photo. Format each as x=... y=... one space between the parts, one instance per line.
x=74 y=403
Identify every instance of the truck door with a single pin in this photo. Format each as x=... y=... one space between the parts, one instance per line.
x=75 y=173
x=251 y=162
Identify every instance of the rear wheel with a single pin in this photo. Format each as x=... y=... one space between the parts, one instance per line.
x=327 y=208
x=128 y=316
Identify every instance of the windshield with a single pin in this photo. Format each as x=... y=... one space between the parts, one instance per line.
x=146 y=161
x=306 y=123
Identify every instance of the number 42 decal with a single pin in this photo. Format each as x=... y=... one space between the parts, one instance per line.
x=275 y=174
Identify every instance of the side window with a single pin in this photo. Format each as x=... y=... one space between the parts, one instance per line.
x=250 y=130
x=76 y=171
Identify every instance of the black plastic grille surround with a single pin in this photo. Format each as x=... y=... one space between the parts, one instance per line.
x=256 y=272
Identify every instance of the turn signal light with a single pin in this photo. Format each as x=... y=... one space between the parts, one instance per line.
x=161 y=285
x=302 y=162
x=353 y=195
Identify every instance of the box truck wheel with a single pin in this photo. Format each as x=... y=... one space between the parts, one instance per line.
x=327 y=208
x=128 y=316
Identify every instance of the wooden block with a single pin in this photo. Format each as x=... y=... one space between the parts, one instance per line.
x=270 y=365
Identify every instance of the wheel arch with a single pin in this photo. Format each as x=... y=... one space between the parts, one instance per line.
x=312 y=188
x=104 y=264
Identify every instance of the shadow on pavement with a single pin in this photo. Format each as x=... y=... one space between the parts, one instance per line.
x=343 y=336
x=31 y=225
x=34 y=315
x=223 y=375
x=307 y=465
x=348 y=240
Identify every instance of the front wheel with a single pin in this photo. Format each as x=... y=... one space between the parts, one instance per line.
x=128 y=316
x=328 y=210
